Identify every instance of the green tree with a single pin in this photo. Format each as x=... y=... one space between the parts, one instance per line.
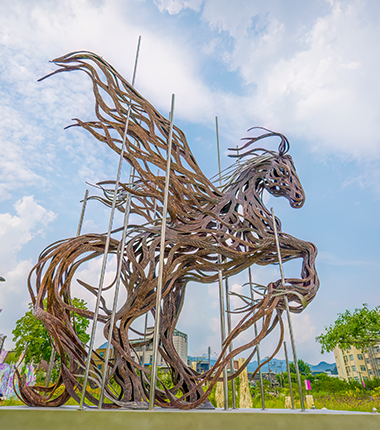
x=360 y=328
x=31 y=331
x=303 y=367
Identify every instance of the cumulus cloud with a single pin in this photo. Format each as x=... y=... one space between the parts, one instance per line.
x=175 y=6
x=17 y=230
x=309 y=69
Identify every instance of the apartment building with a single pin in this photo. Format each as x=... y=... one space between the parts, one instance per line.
x=356 y=364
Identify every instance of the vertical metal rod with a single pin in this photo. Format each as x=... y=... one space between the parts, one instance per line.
x=233 y=389
x=258 y=345
x=80 y=224
x=106 y=247
x=115 y=299
x=288 y=312
x=221 y=291
x=120 y=262
x=156 y=334
x=289 y=377
x=79 y=229
x=50 y=368
x=145 y=333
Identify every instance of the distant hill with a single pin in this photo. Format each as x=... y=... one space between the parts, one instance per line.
x=323 y=366
x=278 y=366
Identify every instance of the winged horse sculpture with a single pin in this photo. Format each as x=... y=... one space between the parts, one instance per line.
x=209 y=229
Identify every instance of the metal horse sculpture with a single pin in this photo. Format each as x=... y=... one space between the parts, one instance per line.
x=209 y=229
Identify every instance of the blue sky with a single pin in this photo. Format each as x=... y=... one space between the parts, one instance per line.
x=306 y=69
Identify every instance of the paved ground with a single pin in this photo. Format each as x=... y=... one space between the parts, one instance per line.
x=69 y=417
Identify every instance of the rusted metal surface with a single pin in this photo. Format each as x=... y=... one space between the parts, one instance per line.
x=209 y=229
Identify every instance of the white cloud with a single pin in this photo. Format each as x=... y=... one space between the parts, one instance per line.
x=314 y=69
x=17 y=230
x=175 y=6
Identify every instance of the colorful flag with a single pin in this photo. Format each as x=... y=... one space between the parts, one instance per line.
x=307 y=384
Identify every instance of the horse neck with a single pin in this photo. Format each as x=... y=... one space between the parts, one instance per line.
x=246 y=195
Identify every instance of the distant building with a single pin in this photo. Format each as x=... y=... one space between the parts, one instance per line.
x=144 y=353
x=355 y=364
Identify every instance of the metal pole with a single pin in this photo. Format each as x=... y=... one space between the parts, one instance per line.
x=156 y=334
x=106 y=248
x=233 y=390
x=53 y=353
x=220 y=279
x=289 y=378
x=145 y=330
x=120 y=262
x=257 y=346
x=288 y=312
x=50 y=368
x=80 y=224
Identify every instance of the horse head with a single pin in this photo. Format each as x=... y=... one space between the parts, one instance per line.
x=273 y=171
x=281 y=180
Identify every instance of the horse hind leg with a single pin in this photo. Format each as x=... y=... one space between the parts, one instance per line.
x=181 y=373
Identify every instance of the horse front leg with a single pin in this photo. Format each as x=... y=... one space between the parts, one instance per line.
x=307 y=285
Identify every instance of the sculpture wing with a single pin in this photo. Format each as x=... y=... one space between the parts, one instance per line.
x=146 y=143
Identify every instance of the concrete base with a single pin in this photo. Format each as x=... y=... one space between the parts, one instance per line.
x=18 y=417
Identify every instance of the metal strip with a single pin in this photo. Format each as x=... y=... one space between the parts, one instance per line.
x=258 y=345
x=233 y=388
x=161 y=267
x=288 y=312
x=80 y=224
x=289 y=377
x=106 y=247
x=221 y=291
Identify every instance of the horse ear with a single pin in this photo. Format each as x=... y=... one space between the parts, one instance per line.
x=283 y=147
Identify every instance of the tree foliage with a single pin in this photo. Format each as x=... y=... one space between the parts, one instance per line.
x=31 y=331
x=360 y=328
x=303 y=367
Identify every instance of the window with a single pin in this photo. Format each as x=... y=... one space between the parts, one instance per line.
x=150 y=359
x=357 y=378
x=365 y=378
x=354 y=368
x=348 y=368
x=362 y=368
x=99 y=366
x=101 y=354
x=351 y=357
x=345 y=358
x=360 y=356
